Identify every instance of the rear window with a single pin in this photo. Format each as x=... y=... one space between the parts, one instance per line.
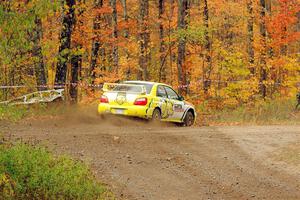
x=127 y=88
x=148 y=86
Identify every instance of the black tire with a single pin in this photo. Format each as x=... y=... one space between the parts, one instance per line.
x=156 y=115
x=101 y=116
x=189 y=119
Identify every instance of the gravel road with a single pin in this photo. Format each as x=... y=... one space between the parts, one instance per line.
x=140 y=161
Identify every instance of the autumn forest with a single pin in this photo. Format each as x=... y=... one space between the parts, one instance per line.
x=226 y=51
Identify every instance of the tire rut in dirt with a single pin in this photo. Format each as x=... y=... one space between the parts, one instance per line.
x=142 y=162
x=233 y=173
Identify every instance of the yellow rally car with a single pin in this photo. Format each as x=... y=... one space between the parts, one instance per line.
x=149 y=100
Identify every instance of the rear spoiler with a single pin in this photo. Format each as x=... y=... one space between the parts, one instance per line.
x=128 y=88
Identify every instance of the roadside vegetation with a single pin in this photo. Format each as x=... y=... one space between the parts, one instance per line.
x=279 y=111
x=28 y=172
x=19 y=112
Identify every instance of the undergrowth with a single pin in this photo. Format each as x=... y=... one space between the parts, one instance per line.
x=28 y=172
x=262 y=112
x=18 y=112
x=275 y=111
x=12 y=113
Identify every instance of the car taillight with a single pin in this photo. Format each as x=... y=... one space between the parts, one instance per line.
x=104 y=99
x=141 y=101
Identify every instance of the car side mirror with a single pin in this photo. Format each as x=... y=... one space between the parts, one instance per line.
x=181 y=98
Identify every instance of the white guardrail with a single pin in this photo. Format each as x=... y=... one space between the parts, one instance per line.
x=46 y=96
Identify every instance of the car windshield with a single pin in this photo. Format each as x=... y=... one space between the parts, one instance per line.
x=148 y=86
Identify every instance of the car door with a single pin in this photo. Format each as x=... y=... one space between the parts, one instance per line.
x=177 y=104
x=163 y=101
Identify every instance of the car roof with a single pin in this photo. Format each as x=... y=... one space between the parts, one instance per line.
x=146 y=82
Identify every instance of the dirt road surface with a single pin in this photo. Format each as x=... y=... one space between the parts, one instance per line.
x=142 y=161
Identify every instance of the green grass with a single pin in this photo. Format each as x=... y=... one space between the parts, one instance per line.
x=18 y=112
x=12 y=113
x=280 y=111
x=28 y=172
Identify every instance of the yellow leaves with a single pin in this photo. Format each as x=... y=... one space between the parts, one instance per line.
x=230 y=77
x=284 y=74
x=66 y=7
x=6 y=186
x=123 y=61
x=239 y=92
x=292 y=64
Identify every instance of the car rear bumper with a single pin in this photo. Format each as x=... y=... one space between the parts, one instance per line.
x=134 y=111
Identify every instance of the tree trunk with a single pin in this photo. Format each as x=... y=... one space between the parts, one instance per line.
x=298 y=23
x=250 y=48
x=298 y=29
x=126 y=35
x=68 y=20
x=284 y=48
x=115 y=34
x=76 y=63
x=263 y=62
x=208 y=61
x=162 y=59
x=268 y=7
x=170 y=42
x=39 y=67
x=182 y=24
x=125 y=17
x=95 y=44
x=76 y=60
x=144 y=39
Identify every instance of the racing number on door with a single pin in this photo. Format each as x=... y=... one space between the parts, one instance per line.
x=178 y=106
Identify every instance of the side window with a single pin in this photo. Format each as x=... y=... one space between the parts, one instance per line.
x=171 y=93
x=161 y=92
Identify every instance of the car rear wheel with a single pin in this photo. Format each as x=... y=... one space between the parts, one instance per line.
x=156 y=115
x=189 y=119
x=101 y=115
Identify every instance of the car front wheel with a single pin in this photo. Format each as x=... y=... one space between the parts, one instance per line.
x=189 y=119
x=156 y=115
